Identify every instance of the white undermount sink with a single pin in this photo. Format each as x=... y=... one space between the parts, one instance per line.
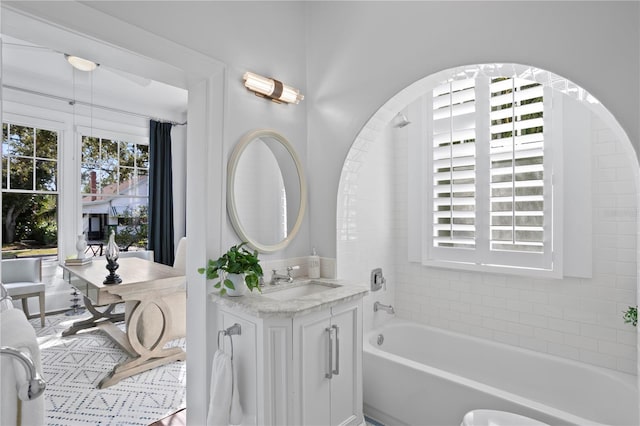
x=300 y=290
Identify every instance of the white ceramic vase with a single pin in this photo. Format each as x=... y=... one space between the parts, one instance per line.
x=81 y=246
x=112 y=251
x=238 y=283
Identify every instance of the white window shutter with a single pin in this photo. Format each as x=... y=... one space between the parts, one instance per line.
x=453 y=171
x=520 y=211
x=517 y=168
x=491 y=200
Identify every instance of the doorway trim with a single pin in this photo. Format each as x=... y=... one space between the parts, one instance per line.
x=74 y=27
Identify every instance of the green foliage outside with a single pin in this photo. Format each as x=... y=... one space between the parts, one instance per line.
x=114 y=164
x=29 y=170
x=110 y=168
x=132 y=228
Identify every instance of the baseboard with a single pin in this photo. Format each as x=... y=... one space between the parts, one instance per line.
x=376 y=416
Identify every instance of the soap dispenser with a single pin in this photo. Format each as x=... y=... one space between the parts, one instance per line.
x=314 y=265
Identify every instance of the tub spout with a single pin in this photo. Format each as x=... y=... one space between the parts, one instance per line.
x=387 y=308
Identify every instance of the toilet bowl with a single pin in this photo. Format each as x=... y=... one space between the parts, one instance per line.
x=497 y=418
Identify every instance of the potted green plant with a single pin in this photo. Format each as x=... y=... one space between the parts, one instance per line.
x=631 y=316
x=236 y=263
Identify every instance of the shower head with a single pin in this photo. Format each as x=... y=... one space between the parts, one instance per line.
x=400 y=120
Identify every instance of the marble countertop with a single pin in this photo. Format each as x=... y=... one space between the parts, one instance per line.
x=261 y=305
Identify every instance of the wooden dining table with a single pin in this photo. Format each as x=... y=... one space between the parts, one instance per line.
x=148 y=286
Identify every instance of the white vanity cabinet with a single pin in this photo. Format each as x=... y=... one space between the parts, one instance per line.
x=305 y=369
x=327 y=365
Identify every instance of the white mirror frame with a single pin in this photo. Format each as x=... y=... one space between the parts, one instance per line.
x=231 y=202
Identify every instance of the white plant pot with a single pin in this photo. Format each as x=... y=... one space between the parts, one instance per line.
x=238 y=283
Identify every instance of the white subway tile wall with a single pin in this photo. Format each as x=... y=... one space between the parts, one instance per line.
x=574 y=318
x=365 y=237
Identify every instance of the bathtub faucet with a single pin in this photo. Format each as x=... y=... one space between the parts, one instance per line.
x=387 y=308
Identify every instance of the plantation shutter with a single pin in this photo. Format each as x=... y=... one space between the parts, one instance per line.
x=517 y=166
x=454 y=165
x=491 y=200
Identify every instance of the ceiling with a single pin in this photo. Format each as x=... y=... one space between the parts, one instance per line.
x=40 y=69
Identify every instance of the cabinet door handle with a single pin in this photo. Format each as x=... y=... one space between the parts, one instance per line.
x=337 y=370
x=329 y=375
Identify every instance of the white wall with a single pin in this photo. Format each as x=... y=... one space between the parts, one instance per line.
x=375 y=49
x=367 y=237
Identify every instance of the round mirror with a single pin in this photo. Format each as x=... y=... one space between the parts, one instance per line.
x=266 y=190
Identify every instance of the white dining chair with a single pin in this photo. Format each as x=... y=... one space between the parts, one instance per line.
x=22 y=278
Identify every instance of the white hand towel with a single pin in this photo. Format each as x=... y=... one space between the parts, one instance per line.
x=17 y=332
x=235 y=413
x=224 y=405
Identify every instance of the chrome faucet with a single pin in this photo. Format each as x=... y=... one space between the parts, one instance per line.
x=276 y=277
x=387 y=308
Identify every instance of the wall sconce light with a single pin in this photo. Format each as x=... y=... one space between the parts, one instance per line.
x=271 y=89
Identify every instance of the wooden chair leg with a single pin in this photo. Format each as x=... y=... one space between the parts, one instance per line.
x=25 y=307
x=41 y=297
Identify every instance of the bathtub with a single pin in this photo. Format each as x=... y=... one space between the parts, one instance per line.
x=425 y=376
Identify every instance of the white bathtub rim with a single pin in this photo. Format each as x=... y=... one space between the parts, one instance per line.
x=626 y=379
x=473 y=384
x=482 y=387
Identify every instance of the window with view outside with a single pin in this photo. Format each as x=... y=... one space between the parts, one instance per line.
x=115 y=190
x=487 y=171
x=29 y=190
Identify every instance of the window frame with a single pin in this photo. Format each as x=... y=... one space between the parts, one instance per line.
x=549 y=263
x=36 y=124
x=113 y=216
x=39 y=123
x=114 y=137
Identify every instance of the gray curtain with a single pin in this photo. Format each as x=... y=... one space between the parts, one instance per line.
x=160 y=193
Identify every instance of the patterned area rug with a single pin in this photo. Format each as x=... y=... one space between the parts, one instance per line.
x=73 y=366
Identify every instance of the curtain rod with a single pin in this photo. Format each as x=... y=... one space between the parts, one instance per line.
x=76 y=102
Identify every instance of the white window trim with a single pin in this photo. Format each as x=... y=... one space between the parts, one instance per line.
x=31 y=121
x=112 y=135
x=42 y=124
x=420 y=183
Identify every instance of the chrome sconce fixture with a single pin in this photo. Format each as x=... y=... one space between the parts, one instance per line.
x=271 y=89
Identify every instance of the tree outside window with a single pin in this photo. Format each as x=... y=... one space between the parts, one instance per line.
x=29 y=186
x=115 y=190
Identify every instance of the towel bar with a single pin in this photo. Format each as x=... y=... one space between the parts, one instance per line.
x=235 y=329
